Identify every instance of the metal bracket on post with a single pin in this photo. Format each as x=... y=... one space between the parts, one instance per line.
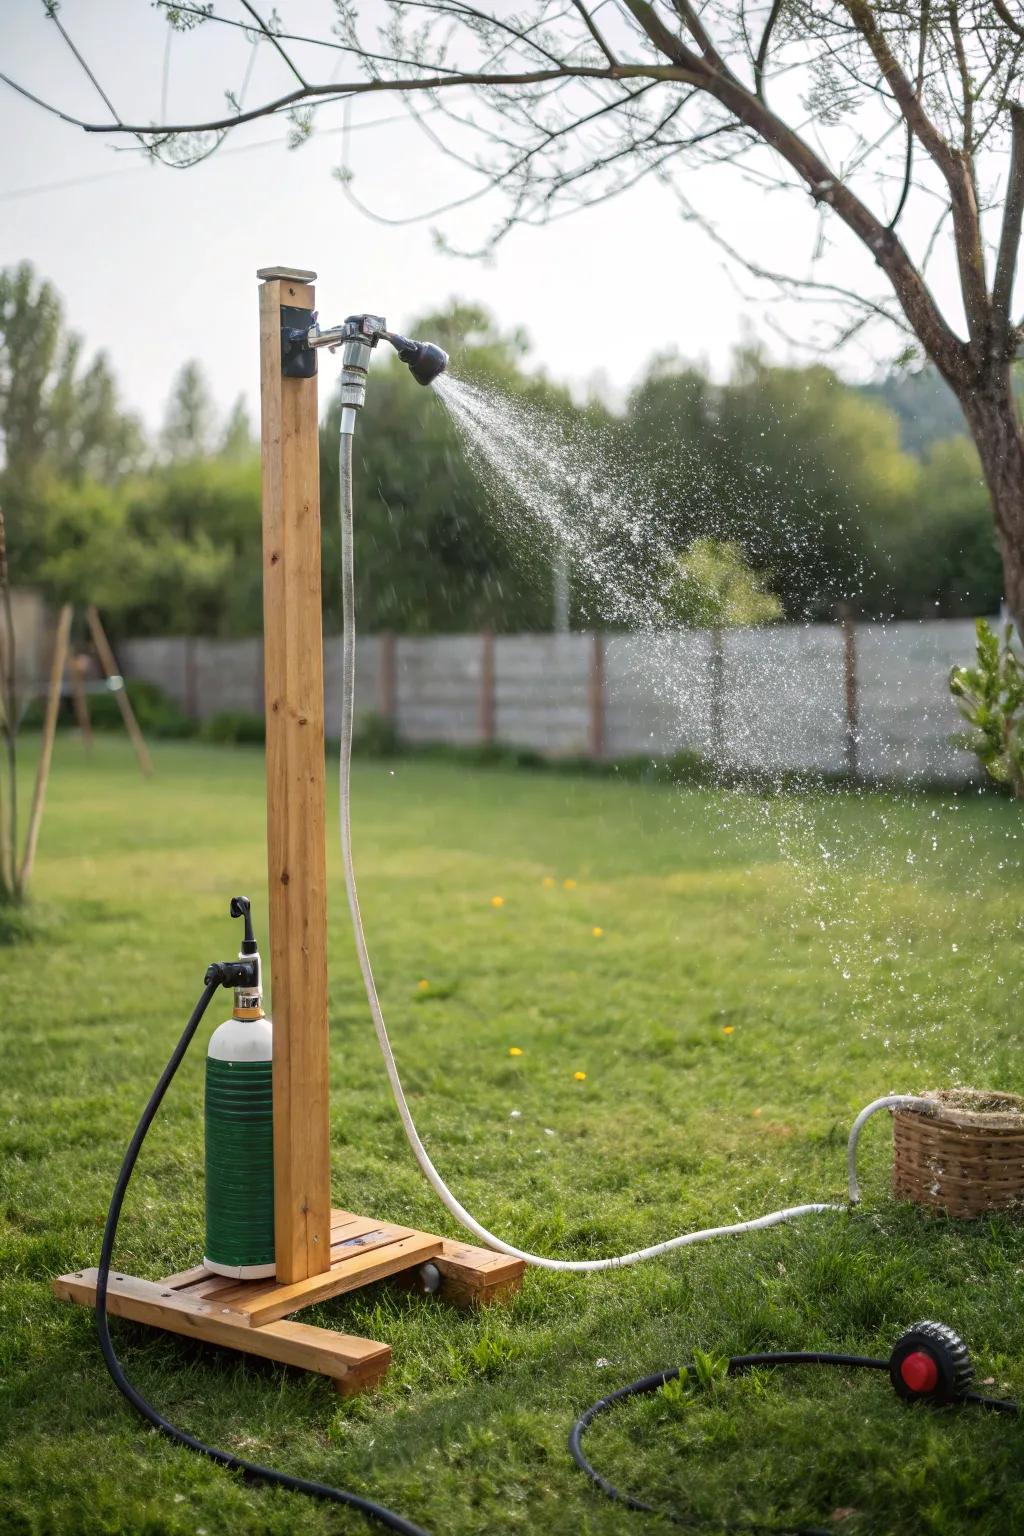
x=298 y=358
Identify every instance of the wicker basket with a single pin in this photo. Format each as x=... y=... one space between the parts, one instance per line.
x=966 y=1159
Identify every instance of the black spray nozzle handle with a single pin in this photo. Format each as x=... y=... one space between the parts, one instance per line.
x=425 y=359
x=242 y=907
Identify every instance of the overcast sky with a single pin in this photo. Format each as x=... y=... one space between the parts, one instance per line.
x=157 y=265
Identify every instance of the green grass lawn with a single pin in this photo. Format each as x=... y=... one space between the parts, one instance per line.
x=762 y=969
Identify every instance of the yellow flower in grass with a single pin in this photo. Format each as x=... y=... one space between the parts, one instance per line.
x=568 y=885
x=597 y=932
x=423 y=986
x=515 y=1050
x=497 y=901
x=580 y=1077
x=548 y=882
x=727 y=1029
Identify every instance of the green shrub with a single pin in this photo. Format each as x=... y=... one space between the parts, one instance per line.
x=234 y=728
x=990 y=696
x=375 y=737
x=156 y=712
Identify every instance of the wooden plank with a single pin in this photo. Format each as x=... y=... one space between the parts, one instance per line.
x=347 y=1275
x=353 y=1363
x=294 y=695
x=35 y=818
x=362 y=1236
x=473 y=1277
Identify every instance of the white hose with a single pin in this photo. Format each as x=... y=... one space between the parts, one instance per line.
x=440 y=1188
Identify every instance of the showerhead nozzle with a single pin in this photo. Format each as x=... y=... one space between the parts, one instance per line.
x=425 y=360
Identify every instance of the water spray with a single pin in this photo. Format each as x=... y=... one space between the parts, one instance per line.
x=273 y=1242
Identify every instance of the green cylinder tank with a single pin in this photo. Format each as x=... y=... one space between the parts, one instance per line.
x=240 y=1146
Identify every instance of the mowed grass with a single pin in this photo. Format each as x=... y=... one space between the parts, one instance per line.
x=725 y=1055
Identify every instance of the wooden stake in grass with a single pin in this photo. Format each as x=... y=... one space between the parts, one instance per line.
x=117 y=688
x=75 y=678
x=60 y=648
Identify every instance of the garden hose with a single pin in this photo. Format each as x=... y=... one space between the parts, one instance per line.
x=218 y=975
x=928 y=1363
x=440 y=1188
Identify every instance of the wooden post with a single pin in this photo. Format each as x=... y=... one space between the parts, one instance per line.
x=852 y=734
x=120 y=692
x=296 y=856
x=60 y=649
x=597 y=696
x=488 y=711
x=74 y=672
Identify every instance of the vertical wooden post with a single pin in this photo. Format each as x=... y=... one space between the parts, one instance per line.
x=60 y=649
x=82 y=716
x=488 y=712
x=387 y=679
x=296 y=855
x=852 y=734
x=120 y=692
x=597 y=696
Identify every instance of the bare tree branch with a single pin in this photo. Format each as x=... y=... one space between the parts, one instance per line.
x=922 y=49
x=275 y=41
x=954 y=167
x=595 y=31
x=763 y=47
x=1009 y=240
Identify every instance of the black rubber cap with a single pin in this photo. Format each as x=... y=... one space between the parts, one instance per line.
x=942 y=1347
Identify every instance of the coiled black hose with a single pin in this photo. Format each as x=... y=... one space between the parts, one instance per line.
x=736 y=1365
x=215 y=978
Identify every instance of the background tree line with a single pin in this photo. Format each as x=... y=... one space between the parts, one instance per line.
x=871 y=495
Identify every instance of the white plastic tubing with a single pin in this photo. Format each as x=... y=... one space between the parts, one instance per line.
x=444 y=1194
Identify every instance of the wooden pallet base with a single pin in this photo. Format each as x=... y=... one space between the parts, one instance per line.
x=249 y=1315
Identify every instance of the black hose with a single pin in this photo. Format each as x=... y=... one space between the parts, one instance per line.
x=736 y=1364
x=250 y=1470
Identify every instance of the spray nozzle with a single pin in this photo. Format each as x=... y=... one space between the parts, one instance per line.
x=241 y=907
x=424 y=358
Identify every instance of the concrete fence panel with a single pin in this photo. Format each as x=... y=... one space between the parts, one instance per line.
x=659 y=694
x=783 y=698
x=870 y=699
x=437 y=695
x=542 y=692
x=905 y=710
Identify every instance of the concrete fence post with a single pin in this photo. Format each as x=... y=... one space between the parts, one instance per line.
x=190 y=690
x=852 y=732
x=487 y=718
x=717 y=695
x=597 y=696
x=387 y=677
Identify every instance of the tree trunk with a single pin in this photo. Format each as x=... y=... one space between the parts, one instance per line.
x=994 y=419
